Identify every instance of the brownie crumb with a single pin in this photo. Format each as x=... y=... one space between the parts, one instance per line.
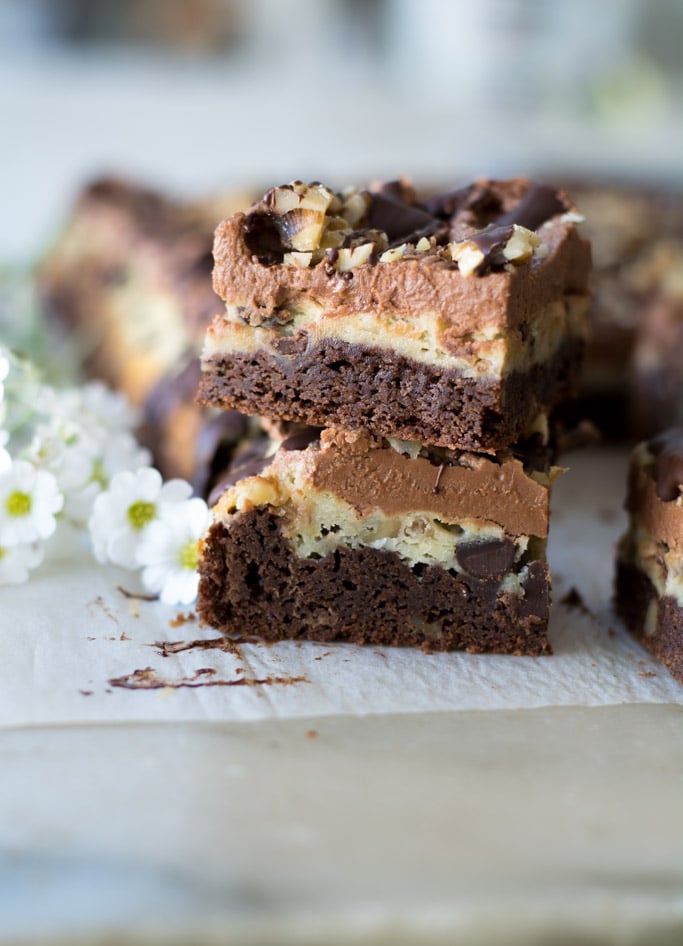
x=574 y=599
x=312 y=733
x=136 y=595
x=181 y=619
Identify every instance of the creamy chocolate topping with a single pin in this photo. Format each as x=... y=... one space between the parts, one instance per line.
x=423 y=283
x=368 y=475
x=394 y=211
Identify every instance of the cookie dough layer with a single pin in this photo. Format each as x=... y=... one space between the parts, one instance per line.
x=649 y=576
x=480 y=294
x=350 y=538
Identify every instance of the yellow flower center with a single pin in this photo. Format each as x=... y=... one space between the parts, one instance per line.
x=141 y=514
x=3 y=552
x=189 y=555
x=98 y=475
x=18 y=503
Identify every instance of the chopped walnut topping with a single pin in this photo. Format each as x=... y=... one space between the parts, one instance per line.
x=521 y=245
x=350 y=257
x=468 y=256
x=395 y=253
x=302 y=260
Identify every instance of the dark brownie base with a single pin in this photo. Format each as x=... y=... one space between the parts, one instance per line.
x=253 y=584
x=335 y=384
x=633 y=593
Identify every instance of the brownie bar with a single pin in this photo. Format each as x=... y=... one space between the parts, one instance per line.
x=631 y=385
x=454 y=321
x=656 y=621
x=350 y=537
x=130 y=277
x=649 y=568
x=657 y=377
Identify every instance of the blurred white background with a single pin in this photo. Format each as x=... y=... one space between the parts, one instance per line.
x=199 y=95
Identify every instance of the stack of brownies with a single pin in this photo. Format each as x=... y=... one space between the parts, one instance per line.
x=409 y=352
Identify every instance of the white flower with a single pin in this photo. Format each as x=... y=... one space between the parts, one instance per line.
x=169 y=552
x=4 y=371
x=94 y=407
x=17 y=560
x=29 y=501
x=82 y=465
x=5 y=458
x=123 y=513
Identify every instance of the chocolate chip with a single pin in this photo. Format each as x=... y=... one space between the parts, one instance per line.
x=252 y=462
x=538 y=205
x=446 y=205
x=300 y=439
x=214 y=447
x=402 y=222
x=486 y=559
x=262 y=238
x=536 y=600
x=492 y=241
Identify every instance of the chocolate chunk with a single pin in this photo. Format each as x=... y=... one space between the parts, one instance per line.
x=667 y=448
x=538 y=205
x=447 y=205
x=489 y=559
x=492 y=241
x=214 y=447
x=301 y=438
x=250 y=463
x=172 y=390
x=402 y=222
x=262 y=238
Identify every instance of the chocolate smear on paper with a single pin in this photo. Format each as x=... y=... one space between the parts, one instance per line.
x=148 y=679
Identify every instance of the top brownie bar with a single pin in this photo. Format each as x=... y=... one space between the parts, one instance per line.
x=453 y=321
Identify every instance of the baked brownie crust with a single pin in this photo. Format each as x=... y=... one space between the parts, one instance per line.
x=353 y=387
x=635 y=594
x=253 y=583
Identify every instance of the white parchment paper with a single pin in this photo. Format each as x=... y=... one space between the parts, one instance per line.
x=70 y=632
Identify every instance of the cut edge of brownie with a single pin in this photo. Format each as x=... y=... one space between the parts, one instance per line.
x=634 y=593
x=253 y=583
x=336 y=384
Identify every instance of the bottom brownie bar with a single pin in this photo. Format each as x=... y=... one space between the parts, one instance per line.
x=349 y=538
x=649 y=573
x=656 y=622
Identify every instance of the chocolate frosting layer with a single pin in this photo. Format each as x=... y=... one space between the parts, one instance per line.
x=428 y=281
x=369 y=475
